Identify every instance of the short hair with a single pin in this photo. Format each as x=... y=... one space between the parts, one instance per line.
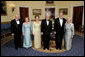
x=48 y=12
x=17 y=15
x=37 y=16
x=69 y=19
x=27 y=17
x=60 y=12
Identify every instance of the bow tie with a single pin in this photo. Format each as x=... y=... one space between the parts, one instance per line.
x=17 y=20
x=47 y=20
x=60 y=18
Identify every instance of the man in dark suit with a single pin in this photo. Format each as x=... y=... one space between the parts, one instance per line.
x=59 y=30
x=46 y=29
x=16 y=30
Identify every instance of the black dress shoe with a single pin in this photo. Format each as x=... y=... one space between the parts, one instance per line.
x=44 y=48
x=48 y=48
x=20 y=47
x=16 y=48
x=60 y=48
x=56 y=48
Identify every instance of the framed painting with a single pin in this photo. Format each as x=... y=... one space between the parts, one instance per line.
x=3 y=8
x=64 y=10
x=36 y=11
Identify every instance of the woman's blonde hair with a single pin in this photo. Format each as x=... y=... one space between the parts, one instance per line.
x=69 y=19
x=26 y=18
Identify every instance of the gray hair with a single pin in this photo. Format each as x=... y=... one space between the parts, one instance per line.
x=48 y=12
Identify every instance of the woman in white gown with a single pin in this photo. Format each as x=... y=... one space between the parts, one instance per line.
x=37 y=32
x=69 y=33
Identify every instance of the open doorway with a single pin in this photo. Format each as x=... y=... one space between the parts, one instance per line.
x=24 y=12
x=78 y=18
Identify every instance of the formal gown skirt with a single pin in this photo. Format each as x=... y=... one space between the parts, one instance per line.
x=27 y=41
x=68 y=40
x=37 y=40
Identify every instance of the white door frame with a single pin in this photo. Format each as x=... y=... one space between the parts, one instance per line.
x=83 y=17
x=29 y=11
x=51 y=7
x=72 y=12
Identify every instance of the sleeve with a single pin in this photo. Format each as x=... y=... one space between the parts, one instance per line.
x=12 y=27
x=72 y=29
x=65 y=20
x=51 y=27
x=64 y=28
x=33 y=26
x=23 y=29
x=55 y=24
x=42 y=26
x=21 y=22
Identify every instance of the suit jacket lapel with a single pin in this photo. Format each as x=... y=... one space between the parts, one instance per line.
x=59 y=22
x=45 y=22
x=63 y=23
x=16 y=23
x=19 y=21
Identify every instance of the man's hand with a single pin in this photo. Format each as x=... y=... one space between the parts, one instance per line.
x=41 y=33
x=54 y=32
x=50 y=33
x=23 y=34
x=31 y=32
x=12 y=34
x=72 y=36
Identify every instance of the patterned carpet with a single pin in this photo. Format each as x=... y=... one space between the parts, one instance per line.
x=77 y=49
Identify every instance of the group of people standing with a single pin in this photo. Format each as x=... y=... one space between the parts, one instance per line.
x=63 y=29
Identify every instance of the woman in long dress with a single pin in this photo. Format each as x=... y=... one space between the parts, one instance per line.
x=69 y=33
x=37 y=32
x=27 y=29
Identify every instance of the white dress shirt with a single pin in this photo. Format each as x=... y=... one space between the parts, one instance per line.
x=61 y=21
x=47 y=22
x=18 y=22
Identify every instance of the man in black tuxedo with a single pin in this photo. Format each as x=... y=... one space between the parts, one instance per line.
x=46 y=29
x=59 y=30
x=16 y=30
